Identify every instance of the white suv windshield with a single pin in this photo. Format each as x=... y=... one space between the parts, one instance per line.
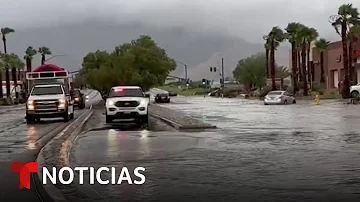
x=48 y=90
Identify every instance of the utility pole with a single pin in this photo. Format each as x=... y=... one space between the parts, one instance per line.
x=222 y=75
x=186 y=73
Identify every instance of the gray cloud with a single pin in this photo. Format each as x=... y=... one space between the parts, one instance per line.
x=247 y=19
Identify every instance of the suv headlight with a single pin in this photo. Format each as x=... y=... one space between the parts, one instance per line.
x=143 y=102
x=30 y=104
x=62 y=101
x=110 y=102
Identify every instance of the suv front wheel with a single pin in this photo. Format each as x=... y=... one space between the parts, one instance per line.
x=66 y=117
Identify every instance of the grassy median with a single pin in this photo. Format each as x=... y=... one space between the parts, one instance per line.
x=183 y=91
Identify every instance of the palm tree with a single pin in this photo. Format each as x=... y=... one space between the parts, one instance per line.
x=12 y=61
x=282 y=72
x=267 y=50
x=322 y=46
x=44 y=51
x=275 y=37
x=292 y=30
x=303 y=37
x=312 y=35
x=346 y=16
x=30 y=52
x=353 y=37
x=5 y=31
x=15 y=63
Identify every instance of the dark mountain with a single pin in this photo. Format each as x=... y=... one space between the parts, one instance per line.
x=199 y=50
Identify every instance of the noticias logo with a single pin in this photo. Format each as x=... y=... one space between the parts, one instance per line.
x=56 y=176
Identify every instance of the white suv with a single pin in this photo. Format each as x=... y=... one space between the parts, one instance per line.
x=127 y=103
x=355 y=90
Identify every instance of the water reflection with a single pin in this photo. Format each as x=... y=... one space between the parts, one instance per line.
x=31 y=138
x=145 y=142
x=112 y=142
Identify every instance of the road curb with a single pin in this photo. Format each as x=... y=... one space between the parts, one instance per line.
x=66 y=146
x=178 y=126
x=167 y=121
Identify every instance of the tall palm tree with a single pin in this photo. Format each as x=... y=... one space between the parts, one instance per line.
x=275 y=37
x=44 y=51
x=292 y=32
x=30 y=52
x=5 y=31
x=282 y=72
x=312 y=35
x=353 y=37
x=15 y=63
x=322 y=45
x=12 y=61
x=346 y=15
x=298 y=57
x=303 y=36
x=267 y=50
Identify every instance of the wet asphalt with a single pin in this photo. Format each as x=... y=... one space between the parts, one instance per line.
x=302 y=152
x=20 y=142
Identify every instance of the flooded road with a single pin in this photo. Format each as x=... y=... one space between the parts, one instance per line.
x=21 y=142
x=299 y=152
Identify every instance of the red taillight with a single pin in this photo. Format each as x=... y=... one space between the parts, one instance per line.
x=60 y=73
x=118 y=90
x=76 y=99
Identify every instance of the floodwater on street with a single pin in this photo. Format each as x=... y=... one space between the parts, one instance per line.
x=300 y=152
x=18 y=137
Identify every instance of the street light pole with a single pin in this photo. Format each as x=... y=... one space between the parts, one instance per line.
x=186 y=73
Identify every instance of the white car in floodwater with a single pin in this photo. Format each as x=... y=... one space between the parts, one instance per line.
x=279 y=97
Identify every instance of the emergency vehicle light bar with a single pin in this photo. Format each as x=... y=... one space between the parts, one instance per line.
x=47 y=75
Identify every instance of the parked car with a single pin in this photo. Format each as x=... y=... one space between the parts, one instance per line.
x=279 y=97
x=79 y=99
x=355 y=90
x=162 y=98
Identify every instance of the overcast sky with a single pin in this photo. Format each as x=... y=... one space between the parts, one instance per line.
x=247 y=19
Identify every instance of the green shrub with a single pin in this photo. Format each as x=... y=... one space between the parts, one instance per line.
x=321 y=91
x=317 y=87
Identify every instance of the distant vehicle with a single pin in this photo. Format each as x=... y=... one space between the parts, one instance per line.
x=127 y=103
x=279 y=97
x=79 y=99
x=171 y=93
x=50 y=95
x=162 y=98
x=355 y=90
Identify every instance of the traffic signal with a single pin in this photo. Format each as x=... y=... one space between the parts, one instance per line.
x=214 y=69
x=211 y=69
x=221 y=81
x=203 y=81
